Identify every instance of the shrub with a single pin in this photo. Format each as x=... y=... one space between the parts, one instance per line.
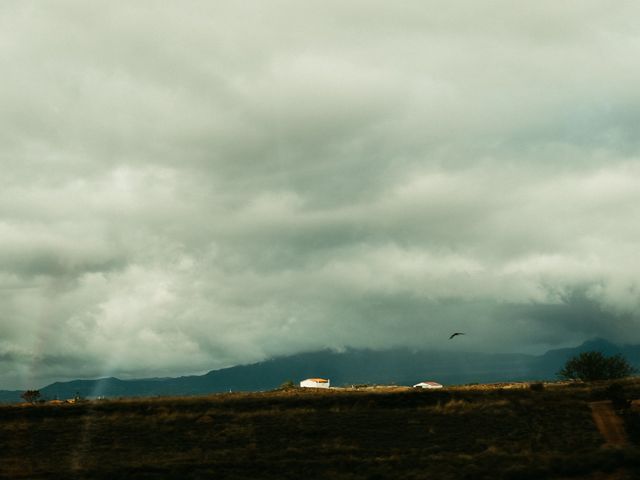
x=31 y=396
x=287 y=385
x=536 y=387
x=618 y=396
x=590 y=366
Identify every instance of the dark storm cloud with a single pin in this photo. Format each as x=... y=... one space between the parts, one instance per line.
x=185 y=187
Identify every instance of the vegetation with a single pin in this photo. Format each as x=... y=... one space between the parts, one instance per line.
x=592 y=366
x=537 y=386
x=287 y=385
x=476 y=432
x=31 y=396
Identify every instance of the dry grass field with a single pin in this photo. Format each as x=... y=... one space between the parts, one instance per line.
x=474 y=432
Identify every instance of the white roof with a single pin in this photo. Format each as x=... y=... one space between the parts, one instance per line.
x=428 y=384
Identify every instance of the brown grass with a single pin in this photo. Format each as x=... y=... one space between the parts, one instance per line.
x=475 y=433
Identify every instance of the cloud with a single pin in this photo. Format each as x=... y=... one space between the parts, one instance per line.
x=187 y=187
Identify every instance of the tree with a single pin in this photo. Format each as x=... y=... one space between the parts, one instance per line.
x=31 y=396
x=590 y=366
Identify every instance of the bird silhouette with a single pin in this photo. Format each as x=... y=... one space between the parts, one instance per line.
x=454 y=334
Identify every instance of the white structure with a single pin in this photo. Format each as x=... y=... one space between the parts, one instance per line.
x=427 y=385
x=315 y=383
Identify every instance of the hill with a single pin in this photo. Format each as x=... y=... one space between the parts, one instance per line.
x=397 y=366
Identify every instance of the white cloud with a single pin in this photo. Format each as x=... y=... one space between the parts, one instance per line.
x=185 y=187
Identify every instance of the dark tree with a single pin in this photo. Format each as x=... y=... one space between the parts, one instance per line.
x=31 y=396
x=590 y=366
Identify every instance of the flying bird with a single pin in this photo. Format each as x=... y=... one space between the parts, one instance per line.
x=454 y=334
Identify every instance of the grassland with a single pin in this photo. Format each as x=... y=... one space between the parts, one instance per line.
x=458 y=433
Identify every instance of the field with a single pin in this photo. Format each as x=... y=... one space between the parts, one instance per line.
x=478 y=432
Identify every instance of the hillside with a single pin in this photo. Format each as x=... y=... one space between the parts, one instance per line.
x=398 y=366
x=460 y=433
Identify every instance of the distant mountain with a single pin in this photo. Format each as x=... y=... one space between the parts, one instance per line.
x=8 y=396
x=396 y=366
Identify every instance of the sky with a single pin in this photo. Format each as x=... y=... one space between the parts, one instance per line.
x=191 y=185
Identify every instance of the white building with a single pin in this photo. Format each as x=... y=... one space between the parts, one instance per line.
x=427 y=385
x=315 y=383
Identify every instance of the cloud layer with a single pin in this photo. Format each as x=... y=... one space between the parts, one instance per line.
x=186 y=187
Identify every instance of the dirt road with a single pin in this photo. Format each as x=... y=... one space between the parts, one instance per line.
x=609 y=423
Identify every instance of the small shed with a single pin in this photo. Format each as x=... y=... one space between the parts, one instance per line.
x=315 y=383
x=427 y=385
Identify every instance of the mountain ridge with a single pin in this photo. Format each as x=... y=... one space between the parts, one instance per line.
x=352 y=366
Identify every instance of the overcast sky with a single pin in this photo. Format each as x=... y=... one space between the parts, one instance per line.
x=191 y=185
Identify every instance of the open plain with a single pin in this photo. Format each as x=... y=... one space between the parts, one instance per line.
x=475 y=432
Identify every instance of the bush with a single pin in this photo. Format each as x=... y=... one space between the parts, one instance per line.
x=618 y=396
x=360 y=385
x=287 y=385
x=536 y=387
x=591 y=366
x=31 y=396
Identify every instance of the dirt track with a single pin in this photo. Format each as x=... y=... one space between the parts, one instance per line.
x=609 y=423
